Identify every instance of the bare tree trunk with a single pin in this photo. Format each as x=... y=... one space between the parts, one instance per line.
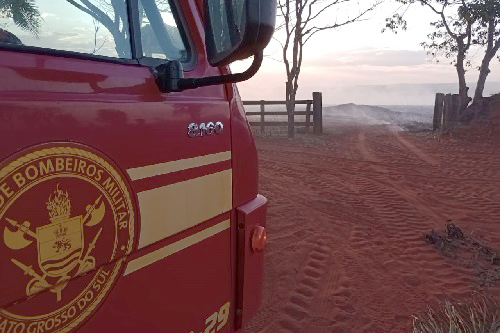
x=491 y=50
x=483 y=74
x=121 y=43
x=299 y=23
x=290 y=107
x=463 y=90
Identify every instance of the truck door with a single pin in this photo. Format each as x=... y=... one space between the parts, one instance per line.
x=115 y=198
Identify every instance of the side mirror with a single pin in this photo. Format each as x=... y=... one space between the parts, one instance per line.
x=234 y=30
x=237 y=29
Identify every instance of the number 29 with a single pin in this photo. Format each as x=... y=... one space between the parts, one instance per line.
x=220 y=317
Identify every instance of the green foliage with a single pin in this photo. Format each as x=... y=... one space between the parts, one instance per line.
x=460 y=26
x=486 y=12
x=455 y=23
x=459 y=21
x=24 y=13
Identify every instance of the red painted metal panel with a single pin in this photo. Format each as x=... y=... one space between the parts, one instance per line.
x=251 y=264
x=176 y=294
x=129 y=119
x=118 y=110
x=244 y=152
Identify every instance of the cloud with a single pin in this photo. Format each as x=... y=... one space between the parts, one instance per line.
x=47 y=15
x=75 y=39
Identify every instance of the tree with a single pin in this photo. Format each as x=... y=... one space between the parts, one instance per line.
x=113 y=16
x=24 y=13
x=461 y=24
x=300 y=22
x=488 y=36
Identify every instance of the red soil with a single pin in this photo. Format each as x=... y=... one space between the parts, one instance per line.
x=346 y=218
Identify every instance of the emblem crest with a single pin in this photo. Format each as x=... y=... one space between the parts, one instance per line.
x=66 y=213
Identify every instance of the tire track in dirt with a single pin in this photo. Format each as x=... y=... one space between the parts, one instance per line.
x=368 y=154
x=399 y=206
x=399 y=188
x=296 y=309
x=320 y=299
x=420 y=153
x=477 y=165
x=345 y=224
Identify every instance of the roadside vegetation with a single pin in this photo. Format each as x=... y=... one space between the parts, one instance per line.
x=480 y=314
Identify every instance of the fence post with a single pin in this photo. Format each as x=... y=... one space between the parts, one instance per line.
x=455 y=105
x=317 y=113
x=438 y=111
x=262 y=109
x=447 y=111
x=308 y=116
x=291 y=116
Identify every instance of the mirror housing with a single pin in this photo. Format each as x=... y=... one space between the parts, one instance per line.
x=170 y=76
x=247 y=37
x=229 y=39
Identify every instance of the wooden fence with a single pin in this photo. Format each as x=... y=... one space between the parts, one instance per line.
x=446 y=111
x=314 y=109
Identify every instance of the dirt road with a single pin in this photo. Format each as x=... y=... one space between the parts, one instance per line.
x=346 y=218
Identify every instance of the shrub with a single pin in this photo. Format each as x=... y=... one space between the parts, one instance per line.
x=477 y=315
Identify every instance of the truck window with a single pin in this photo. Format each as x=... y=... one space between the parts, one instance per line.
x=160 y=31
x=98 y=27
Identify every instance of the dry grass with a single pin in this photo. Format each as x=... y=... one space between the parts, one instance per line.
x=477 y=315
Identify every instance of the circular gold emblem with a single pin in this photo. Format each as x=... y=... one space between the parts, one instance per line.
x=66 y=225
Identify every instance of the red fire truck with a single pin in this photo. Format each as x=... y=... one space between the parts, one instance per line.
x=128 y=173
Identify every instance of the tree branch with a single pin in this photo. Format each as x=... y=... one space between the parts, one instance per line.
x=313 y=30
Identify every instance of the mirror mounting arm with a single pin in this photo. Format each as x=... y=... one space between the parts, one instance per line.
x=169 y=76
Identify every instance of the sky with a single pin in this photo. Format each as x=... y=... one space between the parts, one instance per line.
x=354 y=64
x=344 y=64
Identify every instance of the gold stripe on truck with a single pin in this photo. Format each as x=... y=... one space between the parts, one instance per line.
x=170 y=249
x=170 y=209
x=179 y=165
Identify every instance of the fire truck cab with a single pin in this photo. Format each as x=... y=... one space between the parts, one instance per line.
x=128 y=171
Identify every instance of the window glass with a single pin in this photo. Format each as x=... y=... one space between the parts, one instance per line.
x=160 y=32
x=97 y=27
x=226 y=18
x=218 y=20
